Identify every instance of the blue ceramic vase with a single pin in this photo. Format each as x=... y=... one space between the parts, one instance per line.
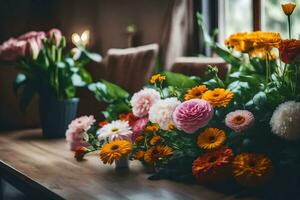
x=55 y=115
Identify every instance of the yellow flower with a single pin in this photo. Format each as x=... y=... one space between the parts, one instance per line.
x=152 y=128
x=157 y=152
x=248 y=42
x=139 y=139
x=115 y=150
x=157 y=78
x=155 y=140
x=139 y=155
x=211 y=138
x=288 y=8
x=251 y=169
x=218 y=97
x=195 y=92
x=263 y=54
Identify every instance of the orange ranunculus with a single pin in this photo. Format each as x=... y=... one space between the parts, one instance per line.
x=289 y=50
x=288 y=8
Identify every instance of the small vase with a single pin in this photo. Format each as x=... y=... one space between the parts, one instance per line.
x=56 y=115
x=123 y=163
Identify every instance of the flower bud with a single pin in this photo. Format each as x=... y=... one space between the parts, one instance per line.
x=32 y=49
x=288 y=8
x=76 y=53
x=55 y=36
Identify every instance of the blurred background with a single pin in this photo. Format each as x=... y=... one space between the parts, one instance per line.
x=122 y=24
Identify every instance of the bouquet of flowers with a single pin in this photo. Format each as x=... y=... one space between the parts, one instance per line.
x=47 y=68
x=243 y=130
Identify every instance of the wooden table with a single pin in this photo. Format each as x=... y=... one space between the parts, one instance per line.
x=46 y=169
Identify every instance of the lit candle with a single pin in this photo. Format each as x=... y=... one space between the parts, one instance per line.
x=82 y=39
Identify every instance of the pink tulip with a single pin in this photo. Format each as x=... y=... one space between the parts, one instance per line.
x=12 y=49
x=55 y=36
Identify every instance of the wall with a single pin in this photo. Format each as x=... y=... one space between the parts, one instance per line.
x=107 y=21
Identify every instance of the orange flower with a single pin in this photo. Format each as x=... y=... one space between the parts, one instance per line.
x=195 y=92
x=288 y=8
x=211 y=138
x=129 y=117
x=157 y=152
x=80 y=153
x=102 y=123
x=213 y=166
x=155 y=140
x=171 y=127
x=289 y=50
x=115 y=150
x=139 y=155
x=157 y=78
x=218 y=97
x=152 y=128
x=139 y=139
x=251 y=169
x=247 y=42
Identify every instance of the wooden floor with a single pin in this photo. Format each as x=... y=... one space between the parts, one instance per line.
x=48 y=166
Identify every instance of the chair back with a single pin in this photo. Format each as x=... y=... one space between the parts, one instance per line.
x=197 y=66
x=130 y=68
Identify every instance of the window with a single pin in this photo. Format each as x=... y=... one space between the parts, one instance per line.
x=238 y=16
x=274 y=19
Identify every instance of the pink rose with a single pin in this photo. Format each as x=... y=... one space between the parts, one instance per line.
x=138 y=127
x=142 y=101
x=55 y=36
x=12 y=49
x=76 y=135
x=193 y=114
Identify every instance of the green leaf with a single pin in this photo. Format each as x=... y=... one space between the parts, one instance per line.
x=26 y=96
x=85 y=75
x=260 y=99
x=107 y=92
x=19 y=81
x=179 y=80
x=77 y=80
x=93 y=56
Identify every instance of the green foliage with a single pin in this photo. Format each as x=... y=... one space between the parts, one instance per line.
x=179 y=81
x=117 y=98
x=53 y=73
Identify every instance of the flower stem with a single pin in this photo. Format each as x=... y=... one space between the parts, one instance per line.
x=289 y=26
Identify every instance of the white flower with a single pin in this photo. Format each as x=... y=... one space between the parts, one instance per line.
x=115 y=130
x=285 y=121
x=161 y=112
x=143 y=100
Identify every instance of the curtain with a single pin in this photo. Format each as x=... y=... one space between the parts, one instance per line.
x=177 y=36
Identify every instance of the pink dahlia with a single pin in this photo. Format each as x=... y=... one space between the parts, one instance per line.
x=143 y=100
x=76 y=135
x=138 y=127
x=192 y=115
x=239 y=120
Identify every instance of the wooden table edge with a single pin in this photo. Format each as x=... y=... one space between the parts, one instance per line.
x=25 y=184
